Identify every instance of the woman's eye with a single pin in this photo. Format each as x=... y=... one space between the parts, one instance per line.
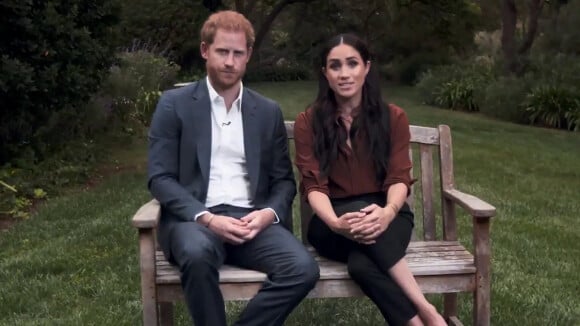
x=335 y=66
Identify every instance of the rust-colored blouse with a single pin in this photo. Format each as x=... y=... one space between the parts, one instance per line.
x=352 y=174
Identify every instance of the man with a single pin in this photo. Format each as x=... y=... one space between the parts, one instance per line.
x=219 y=166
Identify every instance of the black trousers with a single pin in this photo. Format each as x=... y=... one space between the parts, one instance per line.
x=368 y=265
x=199 y=253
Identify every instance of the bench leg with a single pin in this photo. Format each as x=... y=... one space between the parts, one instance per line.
x=166 y=313
x=147 y=269
x=449 y=305
x=482 y=294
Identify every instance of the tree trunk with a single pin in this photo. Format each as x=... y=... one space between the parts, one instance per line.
x=508 y=43
x=530 y=36
x=515 y=56
x=267 y=23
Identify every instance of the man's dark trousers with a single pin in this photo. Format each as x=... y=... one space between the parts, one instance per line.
x=199 y=253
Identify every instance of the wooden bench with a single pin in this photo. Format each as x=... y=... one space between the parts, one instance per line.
x=440 y=265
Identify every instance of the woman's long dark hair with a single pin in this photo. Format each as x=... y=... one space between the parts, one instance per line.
x=373 y=118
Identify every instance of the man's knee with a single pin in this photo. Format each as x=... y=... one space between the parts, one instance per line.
x=311 y=270
x=200 y=256
x=303 y=269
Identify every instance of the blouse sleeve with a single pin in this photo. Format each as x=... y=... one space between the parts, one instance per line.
x=399 y=166
x=306 y=162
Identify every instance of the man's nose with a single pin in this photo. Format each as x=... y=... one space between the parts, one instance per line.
x=230 y=60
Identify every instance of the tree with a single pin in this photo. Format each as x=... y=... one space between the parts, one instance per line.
x=264 y=12
x=54 y=55
x=514 y=55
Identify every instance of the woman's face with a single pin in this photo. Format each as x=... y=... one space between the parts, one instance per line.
x=346 y=71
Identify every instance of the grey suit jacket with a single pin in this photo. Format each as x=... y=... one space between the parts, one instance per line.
x=180 y=149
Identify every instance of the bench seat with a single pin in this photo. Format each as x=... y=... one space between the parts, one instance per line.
x=439 y=262
x=427 y=260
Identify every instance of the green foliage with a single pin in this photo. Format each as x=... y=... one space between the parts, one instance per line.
x=559 y=68
x=456 y=86
x=145 y=106
x=134 y=86
x=54 y=55
x=13 y=202
x=553 y=106
x=278 y=73
x=439 y=26
x=560 y=34
x=169 y=28
x=503 y=99
x=407 y=70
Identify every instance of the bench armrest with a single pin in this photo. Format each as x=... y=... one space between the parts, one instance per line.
x=147 y=216
x=473 y=205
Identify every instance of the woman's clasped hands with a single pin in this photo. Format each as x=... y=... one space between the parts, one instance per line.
x=365 y=225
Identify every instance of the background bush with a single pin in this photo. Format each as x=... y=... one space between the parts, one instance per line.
x=503 y=99
x=456 y=86
x=278 y=73
x=134 y=86
x=54 y=56
x=554 y=106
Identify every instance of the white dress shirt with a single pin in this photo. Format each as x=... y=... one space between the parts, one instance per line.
x=228 y=176
x=228 y=180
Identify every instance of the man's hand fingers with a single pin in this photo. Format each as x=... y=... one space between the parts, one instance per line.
x=248 y=218
x=230 y=238
x=251 y=235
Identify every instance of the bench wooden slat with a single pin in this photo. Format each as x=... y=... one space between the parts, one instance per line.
x=443 y=257
x=426 y=153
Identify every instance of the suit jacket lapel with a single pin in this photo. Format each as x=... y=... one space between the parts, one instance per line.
x=202 y=122
x=252 y=139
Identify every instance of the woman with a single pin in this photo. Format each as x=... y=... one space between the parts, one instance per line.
x=352 y=152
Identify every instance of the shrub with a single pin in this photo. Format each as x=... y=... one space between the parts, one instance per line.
x=134 y=86
x=553 y=106
x=573 y=118
x=557 y=69
x=456 y=86
x=278 y=73
x=54 y=56
x=172 y=26
x=561 y=34
x=503 y=99
x=408 y=70
x=26 y=180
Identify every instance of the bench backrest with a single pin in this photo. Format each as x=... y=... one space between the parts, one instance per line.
x=425 y=144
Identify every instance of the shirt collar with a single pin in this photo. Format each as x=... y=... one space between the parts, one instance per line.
x=214 y=96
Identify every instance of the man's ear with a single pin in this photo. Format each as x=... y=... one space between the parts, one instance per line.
x=204 y=50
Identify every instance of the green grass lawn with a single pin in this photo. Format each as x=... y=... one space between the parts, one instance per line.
x=75 y=262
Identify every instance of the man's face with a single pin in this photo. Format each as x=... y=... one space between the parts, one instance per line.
x=226 y=58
